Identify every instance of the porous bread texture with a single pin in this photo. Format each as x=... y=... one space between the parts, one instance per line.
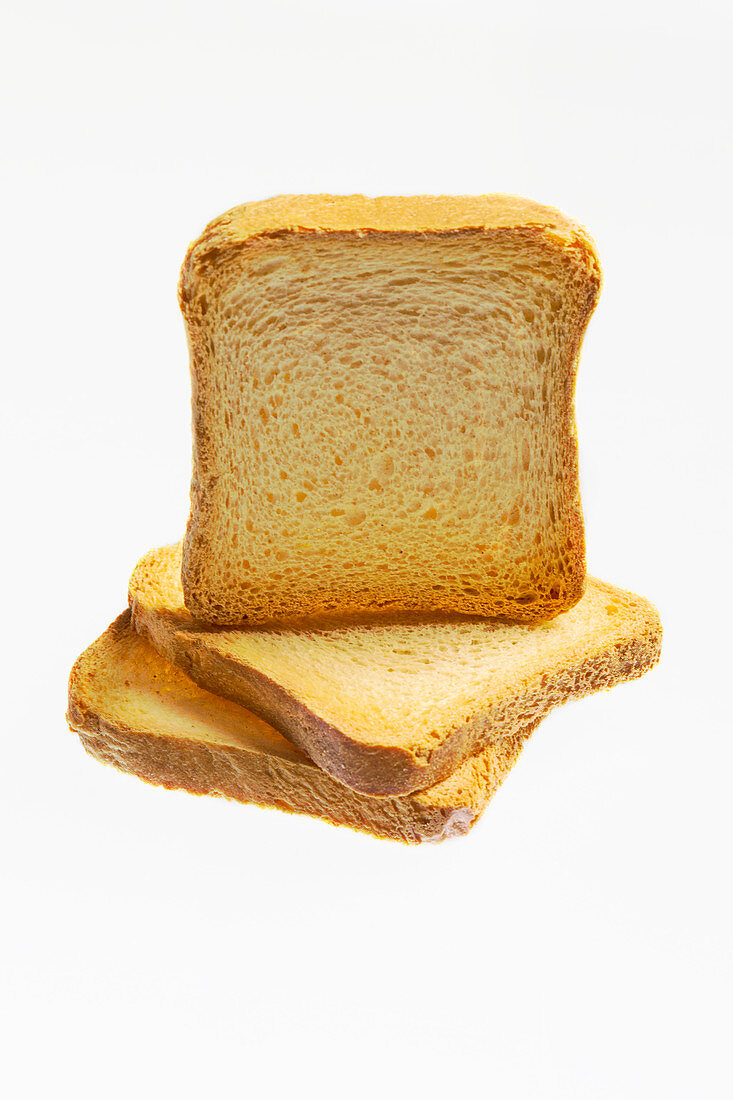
x=395 y=705
x=383 y=408
x=134 y=710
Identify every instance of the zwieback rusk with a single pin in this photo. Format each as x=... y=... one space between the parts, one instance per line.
x=383 y=408
x=134 y=710
x=393 y=706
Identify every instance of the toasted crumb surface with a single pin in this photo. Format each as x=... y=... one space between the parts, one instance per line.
x=135 y=711
x=393 y=706
x=383 y=408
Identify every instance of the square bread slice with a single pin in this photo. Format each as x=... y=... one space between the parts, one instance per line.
x=396 y=705
x=134 y=710
x=383 y=408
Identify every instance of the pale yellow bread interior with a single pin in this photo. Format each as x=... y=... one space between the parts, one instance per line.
x=383 y=408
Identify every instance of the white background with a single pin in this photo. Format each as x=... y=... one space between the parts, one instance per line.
x=577 y=943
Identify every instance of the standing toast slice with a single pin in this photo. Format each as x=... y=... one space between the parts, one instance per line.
x=383 y=408
x=134 y=710
x=397 y=705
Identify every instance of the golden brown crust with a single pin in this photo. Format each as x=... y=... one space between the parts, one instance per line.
x=187 y=755
x=388 y=214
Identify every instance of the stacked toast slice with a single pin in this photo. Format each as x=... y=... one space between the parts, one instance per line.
x=139 y=712
x=382 y=588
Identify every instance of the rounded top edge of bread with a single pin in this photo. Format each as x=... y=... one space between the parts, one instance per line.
x=363 y=215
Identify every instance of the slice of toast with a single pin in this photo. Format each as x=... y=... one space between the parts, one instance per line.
x=383 y=408
x=393 y=706
x=134 y=710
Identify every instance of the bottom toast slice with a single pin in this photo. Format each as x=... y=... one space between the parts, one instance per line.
x=133 y=709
